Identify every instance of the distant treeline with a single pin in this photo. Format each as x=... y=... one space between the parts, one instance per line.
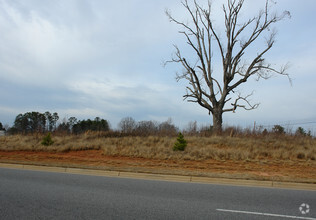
x=36 y=122
x=129 y=126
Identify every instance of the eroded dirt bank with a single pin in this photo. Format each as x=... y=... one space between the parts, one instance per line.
x=296 y=171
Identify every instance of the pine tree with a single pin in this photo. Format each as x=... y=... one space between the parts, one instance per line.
x=47 y=140
x=180 y=144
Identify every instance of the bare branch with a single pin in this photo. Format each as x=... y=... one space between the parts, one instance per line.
x=248 y=106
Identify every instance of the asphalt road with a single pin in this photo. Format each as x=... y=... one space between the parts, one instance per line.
x=46 y=195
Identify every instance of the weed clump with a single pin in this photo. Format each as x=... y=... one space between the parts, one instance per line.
x=47 y=140
x=180 y=144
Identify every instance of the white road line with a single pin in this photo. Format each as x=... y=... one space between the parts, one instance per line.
x=265 y=214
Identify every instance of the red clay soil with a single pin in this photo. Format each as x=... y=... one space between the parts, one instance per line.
x=296 y=171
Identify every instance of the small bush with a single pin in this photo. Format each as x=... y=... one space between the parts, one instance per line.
x=47 y=140
x=300 y=131
x=278 y=129
x=180 y=144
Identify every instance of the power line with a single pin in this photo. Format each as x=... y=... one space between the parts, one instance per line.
x=288 y=124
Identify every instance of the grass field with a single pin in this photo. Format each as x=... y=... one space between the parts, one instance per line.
x=243 y=156
x=244 y=148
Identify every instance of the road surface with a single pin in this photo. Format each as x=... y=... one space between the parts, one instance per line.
x=45 y=195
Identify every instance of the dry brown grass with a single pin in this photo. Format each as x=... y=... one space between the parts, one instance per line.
x=277 y=148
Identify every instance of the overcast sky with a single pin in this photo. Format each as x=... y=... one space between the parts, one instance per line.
x=89 y=58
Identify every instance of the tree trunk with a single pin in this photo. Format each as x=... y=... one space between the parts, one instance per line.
x=217 y=121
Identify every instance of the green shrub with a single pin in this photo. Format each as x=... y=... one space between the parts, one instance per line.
x=278 y=129
x=300 y=131
x=180 y=144
x=47 y=140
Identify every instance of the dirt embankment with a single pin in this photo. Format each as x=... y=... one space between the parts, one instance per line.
x=296 y=171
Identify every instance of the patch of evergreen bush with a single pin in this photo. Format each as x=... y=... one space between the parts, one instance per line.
x=180 y=144
x=47 y=140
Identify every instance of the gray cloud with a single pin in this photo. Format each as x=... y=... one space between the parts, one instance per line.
x=103 y=58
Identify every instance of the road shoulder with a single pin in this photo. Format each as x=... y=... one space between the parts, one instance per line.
x=164 y=177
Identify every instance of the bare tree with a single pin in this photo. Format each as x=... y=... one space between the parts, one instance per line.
x=167 y=128
x=127 y=125
x=192 y=128
x=212 y=90
x=146 y=128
